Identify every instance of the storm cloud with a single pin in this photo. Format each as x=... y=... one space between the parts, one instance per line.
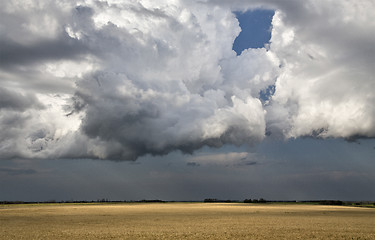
x=122 y=79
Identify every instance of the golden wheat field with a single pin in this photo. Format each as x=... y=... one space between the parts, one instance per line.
x=185 y=221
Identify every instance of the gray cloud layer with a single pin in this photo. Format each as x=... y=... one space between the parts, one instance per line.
x=121 y=79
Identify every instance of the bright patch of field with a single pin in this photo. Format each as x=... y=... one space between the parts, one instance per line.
x=185 y=221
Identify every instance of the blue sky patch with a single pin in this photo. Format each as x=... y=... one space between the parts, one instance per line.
x=256 y=29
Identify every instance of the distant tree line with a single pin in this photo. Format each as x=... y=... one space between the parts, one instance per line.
x=151 y=200
x=214 y=200
x=260 y=200
x=211 y=200
x=331 y=202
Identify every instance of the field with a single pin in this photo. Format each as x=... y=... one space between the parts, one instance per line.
x=185 y=221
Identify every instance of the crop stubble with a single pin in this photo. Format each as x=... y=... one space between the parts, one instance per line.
x=185 y=221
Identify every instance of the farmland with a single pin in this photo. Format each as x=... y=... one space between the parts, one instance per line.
x=185 y=221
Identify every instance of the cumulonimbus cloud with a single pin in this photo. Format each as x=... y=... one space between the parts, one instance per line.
x=121 y=79
x=325 y=86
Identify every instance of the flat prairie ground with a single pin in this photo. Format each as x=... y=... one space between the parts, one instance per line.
x=185 y=221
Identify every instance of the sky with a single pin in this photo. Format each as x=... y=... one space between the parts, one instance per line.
x=187 y=100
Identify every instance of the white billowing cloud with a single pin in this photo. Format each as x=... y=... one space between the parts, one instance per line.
x=326 y=80
x=164 y=83
x=121 y=79
x=327 y=54
x=145 y=77
x=38 y=130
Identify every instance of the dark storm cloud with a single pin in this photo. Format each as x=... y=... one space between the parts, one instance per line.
x=145 y=122
x=16 y=54
x=192 y=164
x=15 y=101
x=250 y=163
